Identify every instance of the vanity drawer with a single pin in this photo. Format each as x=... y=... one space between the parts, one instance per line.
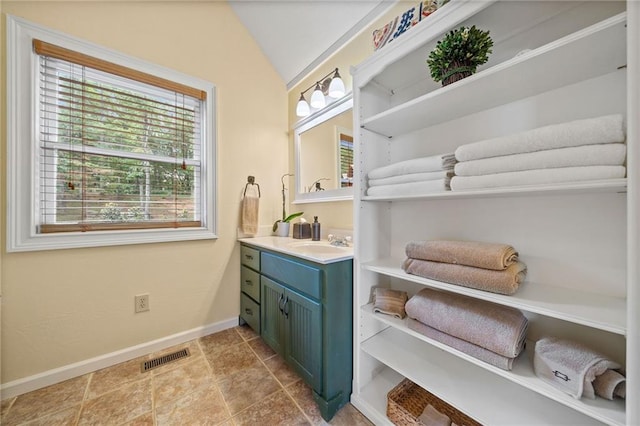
x=250 y=282
x=250 y=312
x=296 y=275
x=250 y=257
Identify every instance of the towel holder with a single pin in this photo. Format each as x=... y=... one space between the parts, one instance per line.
x=251 y=180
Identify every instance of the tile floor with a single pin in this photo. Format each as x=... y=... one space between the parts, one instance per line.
x=231 y=378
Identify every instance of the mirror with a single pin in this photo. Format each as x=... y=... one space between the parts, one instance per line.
x=324 y=154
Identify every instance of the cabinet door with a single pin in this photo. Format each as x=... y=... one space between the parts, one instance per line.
x=304 y=337
x=272 y=319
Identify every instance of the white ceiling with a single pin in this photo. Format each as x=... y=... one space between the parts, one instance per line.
x=297 y=35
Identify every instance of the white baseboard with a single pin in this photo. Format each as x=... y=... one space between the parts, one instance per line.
x=57 y=375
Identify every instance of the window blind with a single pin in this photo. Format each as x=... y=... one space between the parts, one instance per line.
x=346 y=160
x=115 y=152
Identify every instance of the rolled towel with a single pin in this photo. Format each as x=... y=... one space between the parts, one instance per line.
x=433 y=163
x=412 y=177
x=590 y=131
x=502 y=282
x=537 y=177
x=612 y=154
x=412 y=188
x=500 y=329
x=432 y=417
x=569 y=366
x=390 y=302
x=610 y=384
x=475 y=351
x=471 y=253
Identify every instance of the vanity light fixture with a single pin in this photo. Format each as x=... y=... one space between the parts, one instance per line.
x=329 y=85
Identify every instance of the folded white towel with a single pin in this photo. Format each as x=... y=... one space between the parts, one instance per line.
x=537 y=177
x=598 y=130
x=411 y=188
x=612 y=154
x=569 y=366
x=433 y=163
x=411 y=177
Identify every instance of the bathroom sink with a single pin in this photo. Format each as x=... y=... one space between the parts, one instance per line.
x=318 y=248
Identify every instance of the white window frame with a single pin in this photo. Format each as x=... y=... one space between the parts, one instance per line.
x=22 y=146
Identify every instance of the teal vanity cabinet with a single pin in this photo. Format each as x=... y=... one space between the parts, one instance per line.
x=306 y=317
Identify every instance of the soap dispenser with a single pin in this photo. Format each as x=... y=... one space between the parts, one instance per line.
x=315 y=229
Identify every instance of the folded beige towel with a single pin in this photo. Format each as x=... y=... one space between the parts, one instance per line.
x=250 y=210
x=475 y=351
x=610 y=384
x=471 y=253
x=500 y=329
x=502 y=282
x=390 y=302
x=570 y=366
x=432 y=417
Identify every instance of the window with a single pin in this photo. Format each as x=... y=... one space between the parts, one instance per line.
x=119 y=151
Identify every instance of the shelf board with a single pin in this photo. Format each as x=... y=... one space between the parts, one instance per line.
x=609 y=185
x=593 y=310
x=594 y=51
x=465 y=386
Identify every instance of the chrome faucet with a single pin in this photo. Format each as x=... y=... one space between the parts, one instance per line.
x=339 y=241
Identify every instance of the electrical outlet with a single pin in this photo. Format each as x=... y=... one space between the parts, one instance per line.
x=142 y=303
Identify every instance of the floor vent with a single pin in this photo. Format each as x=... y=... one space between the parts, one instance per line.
x=164 y=359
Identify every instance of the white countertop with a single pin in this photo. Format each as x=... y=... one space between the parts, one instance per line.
x=315 y=251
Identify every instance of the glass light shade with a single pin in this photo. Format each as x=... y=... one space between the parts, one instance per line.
x=317 y=97
x=336 y=88
x=302 y=109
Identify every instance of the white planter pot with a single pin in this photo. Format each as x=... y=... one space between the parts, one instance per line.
x=283 y=229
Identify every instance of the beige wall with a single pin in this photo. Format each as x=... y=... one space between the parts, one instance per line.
x=337 y=214
x=65 y=306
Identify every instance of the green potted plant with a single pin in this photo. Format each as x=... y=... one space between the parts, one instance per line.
x=281 y=226
x=459 y=54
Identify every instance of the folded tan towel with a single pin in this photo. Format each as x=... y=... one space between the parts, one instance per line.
x=610 y=384
x=250 y=210
x=390 y=302
x=503 y=282
x=475 y=351
x=470 y=253
x=500 y=329
x=569 y=366
x=432 y=417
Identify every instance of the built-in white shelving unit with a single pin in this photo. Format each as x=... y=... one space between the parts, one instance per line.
x=580 y=241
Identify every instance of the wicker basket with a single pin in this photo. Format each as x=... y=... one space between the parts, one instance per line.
x=407 y=400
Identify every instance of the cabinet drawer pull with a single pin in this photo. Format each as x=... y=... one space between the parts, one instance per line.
x=248 y=311
x=248 y=282
x=280 y=300
x=286 y=307
x=248 y=256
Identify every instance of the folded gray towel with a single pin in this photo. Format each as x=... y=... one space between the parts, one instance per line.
x=432 y=417
x=500 y=329
x=569 y=366
x=475 y=351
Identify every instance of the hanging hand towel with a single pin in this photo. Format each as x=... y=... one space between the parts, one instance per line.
x=471 y=253
x=605 y=129
x=569 y=366
x=502 y=282
x=475 y=351
x=500 y=329
x=250 y=209
x=537 y=177
x=433 y=163
x=612 y=154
